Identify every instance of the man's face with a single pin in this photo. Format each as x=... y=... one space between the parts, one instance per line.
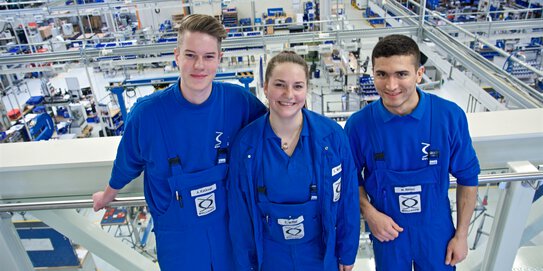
x=396 y=79
x=198 y=58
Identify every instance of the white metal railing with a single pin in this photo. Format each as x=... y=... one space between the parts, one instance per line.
x=532 y=178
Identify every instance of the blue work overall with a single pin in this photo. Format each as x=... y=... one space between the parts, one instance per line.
x=192 y=234
x=292 y=232
x=417 y=202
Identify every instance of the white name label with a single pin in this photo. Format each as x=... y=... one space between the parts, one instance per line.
x=408 y=189
x=203 y=190
x=336 y=170
x=290 y=221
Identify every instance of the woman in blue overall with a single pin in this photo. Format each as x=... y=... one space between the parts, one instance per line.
x=406 y=144
x=179 y=138
x=292 y=191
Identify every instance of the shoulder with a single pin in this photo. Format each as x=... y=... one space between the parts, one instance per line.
x=149 y=102
x=324 y=129
x=252 y=131
x=229 y=86
x=231 y=89
x=235 y=92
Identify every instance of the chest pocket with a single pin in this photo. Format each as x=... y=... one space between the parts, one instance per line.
x=412 y=196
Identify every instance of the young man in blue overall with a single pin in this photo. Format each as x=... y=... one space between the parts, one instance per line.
x=405 y=145
x=179 y=138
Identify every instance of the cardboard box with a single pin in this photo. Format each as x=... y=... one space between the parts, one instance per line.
x=45 y=31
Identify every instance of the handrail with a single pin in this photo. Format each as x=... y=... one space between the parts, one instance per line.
x=140 y=201
x=505 y=178
x=69 y=204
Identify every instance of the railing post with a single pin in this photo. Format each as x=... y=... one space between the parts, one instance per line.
x=13 y=255
x=509 y=221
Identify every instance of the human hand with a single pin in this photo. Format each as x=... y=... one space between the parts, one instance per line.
x=99 y=201
x=382 y=226
x=457 y=250
x=346 y=267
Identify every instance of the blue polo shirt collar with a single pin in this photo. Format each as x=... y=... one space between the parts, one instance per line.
x=269 y=133
x=417 y=114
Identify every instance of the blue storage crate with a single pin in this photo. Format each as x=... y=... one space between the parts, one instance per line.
x=35 y=100
x=366 y=85
x=38 y=109
x=245 y=21
x=275 y=12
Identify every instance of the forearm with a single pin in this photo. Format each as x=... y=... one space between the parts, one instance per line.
x=466 y=197
x=366 y=208
x=110 y=194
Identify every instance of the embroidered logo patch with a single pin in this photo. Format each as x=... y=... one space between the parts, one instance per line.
x=337 y=190
x=410 y=203
x=293 y=232
x=293 y=228
x=205 y=204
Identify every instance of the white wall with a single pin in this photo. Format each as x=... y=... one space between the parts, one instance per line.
x=212 y=9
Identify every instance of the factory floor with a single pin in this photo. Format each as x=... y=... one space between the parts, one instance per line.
x=320 y=90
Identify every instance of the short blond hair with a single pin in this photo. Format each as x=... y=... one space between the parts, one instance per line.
x=201 y=23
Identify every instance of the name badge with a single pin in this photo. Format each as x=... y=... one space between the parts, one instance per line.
x=336 y=170
x=290 y=221
x=408 y=189
x=203 y=190
x=337 y=190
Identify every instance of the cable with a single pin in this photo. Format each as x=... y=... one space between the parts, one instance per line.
x=130 y=92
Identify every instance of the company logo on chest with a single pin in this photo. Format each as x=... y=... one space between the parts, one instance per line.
x=218 y=141
x=425 y=151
